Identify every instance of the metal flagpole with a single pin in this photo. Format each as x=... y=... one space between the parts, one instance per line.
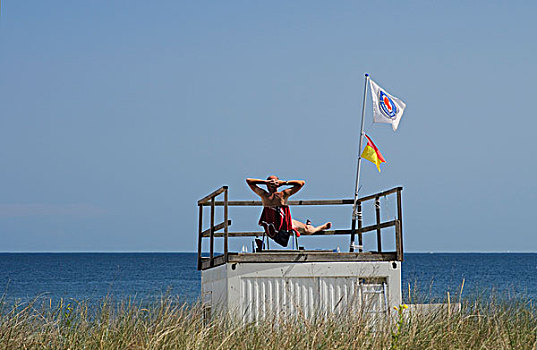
x=356 y=214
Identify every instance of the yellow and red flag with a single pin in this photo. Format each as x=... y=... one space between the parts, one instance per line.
x=372 y=153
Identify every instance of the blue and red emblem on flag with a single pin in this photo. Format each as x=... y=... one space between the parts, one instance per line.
x=386 y=105
x=386 y=108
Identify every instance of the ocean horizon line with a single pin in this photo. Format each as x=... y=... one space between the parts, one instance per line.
x=195 y=252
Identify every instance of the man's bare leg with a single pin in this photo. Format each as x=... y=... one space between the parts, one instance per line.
x=309 y=229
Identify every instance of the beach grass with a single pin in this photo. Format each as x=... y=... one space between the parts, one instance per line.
x=168 y=324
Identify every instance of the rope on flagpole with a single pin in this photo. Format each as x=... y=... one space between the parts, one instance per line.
x=355 y=214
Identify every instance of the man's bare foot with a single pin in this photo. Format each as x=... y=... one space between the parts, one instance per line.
x=308 y=229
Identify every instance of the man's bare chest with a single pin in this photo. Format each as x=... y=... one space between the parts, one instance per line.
x=275 y=199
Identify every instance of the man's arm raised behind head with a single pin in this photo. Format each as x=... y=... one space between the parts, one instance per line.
x=253 y=185
x=297 y=185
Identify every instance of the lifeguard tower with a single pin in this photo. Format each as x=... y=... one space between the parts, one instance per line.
x=300 y=282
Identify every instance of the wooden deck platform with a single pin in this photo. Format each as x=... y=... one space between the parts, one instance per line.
x=292 y=256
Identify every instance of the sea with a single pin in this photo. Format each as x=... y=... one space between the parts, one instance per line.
x=92 y=277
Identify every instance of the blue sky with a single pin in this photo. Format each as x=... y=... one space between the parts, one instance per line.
x=116 y=117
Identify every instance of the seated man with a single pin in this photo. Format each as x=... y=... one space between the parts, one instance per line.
x=276 y=217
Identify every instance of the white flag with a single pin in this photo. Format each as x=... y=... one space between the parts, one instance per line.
x=386 y=108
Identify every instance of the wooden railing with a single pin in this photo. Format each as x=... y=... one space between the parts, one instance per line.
x=210 y=200
x=397 y=223
x=212 y=231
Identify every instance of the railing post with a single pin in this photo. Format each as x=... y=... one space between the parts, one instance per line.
x=377 y=212
x=225 y=223
x=212 y=234
x=400 y=218
x=398 y=241
x=353 y=232
x=200 y=230
x=360 y=224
